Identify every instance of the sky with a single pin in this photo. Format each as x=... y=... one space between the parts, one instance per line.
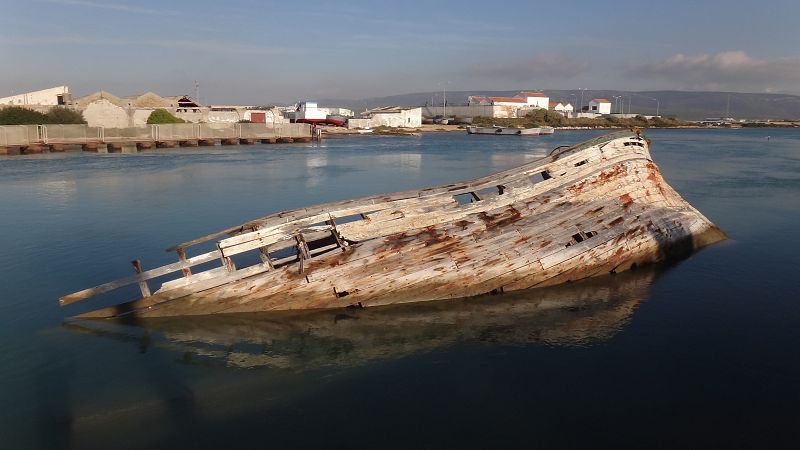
x=257 y=52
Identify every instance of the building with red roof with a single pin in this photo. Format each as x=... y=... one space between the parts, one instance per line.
x=600 y=106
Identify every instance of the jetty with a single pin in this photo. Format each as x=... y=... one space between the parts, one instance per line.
x=596 y=208
x=32 y=139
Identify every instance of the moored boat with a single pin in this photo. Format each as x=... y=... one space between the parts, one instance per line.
x=309 y=112
x=505 y=131
x=595 y=208
x=547 y=130
x=336 y=120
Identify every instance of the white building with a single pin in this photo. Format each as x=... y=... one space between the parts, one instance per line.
x=394 y=116
x=334 y=111
x=516 y=106
x=308 y=112
x=523 y=99
x=478 y=100
x=238 y=113
x=534 y=99
x=599 y=106
x=564 y=108
x=509 y=101
x=103 y=109
x=46 y=97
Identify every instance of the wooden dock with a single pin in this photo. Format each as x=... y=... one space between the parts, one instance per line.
x=34 y=139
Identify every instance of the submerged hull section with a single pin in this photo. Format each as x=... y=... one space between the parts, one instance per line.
x=597 y=208
x=570 y=314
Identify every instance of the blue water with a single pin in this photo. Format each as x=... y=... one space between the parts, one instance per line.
x=701 y=354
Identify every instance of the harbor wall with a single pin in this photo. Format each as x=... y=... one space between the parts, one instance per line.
x=27 y=135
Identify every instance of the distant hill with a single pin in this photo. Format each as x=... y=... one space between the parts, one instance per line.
x=689 y=105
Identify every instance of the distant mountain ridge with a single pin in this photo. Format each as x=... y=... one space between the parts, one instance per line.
x=689 y=105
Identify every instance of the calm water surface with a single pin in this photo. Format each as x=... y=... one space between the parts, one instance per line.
x=702 y=354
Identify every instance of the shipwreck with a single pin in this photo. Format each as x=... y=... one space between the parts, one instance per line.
x=592 y=209
x=570 y=314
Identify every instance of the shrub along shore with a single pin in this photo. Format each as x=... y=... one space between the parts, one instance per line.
x=556 y=120
x=17 y=115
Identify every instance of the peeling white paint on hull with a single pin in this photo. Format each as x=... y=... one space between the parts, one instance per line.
x=588 y=210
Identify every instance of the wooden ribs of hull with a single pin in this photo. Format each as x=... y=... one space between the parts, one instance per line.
x=597 y=208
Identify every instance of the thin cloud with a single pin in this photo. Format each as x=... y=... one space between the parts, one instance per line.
x=201 y=46
x=114 y=7
x=733 y=69
x=544 y=66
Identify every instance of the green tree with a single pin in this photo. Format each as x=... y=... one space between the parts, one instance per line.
x=60 y=115
x=17 y=115
x=544 y=116
x=160 y=116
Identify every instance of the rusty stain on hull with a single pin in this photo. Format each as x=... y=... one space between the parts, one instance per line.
x=589 y=213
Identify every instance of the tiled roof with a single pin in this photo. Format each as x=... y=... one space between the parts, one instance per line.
x=601 y=100
x=532 y=94
x=389 y=109
x=507 y=99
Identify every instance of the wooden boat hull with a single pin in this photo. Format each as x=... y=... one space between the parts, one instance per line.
x=504 y=131
x=568 y=314
x=597 y=208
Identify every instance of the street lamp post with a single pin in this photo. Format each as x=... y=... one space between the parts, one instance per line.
x=444 y=99
x=658 y=105
x=576 y=101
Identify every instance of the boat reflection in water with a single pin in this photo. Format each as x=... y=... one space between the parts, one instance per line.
x=574 y=314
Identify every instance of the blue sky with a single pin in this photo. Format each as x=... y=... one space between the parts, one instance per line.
x=262 y=51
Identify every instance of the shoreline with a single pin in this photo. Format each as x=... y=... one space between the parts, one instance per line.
x=426 y=128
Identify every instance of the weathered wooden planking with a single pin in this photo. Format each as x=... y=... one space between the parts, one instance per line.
x=595 y=208
x=345 y=207
x=139 y=277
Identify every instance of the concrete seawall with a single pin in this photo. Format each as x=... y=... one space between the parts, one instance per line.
x=28 y=139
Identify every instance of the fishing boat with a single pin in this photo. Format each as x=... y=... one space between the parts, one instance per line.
x=308 y=112
x=547 y=130
x=592 y=209
x=498 y=130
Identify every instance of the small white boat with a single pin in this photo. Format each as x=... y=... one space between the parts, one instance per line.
x=498 y=130
x=547 y=130
x=364 y=131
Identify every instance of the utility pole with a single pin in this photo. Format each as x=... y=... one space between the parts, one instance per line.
x=444 y=100
x=728 y=107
